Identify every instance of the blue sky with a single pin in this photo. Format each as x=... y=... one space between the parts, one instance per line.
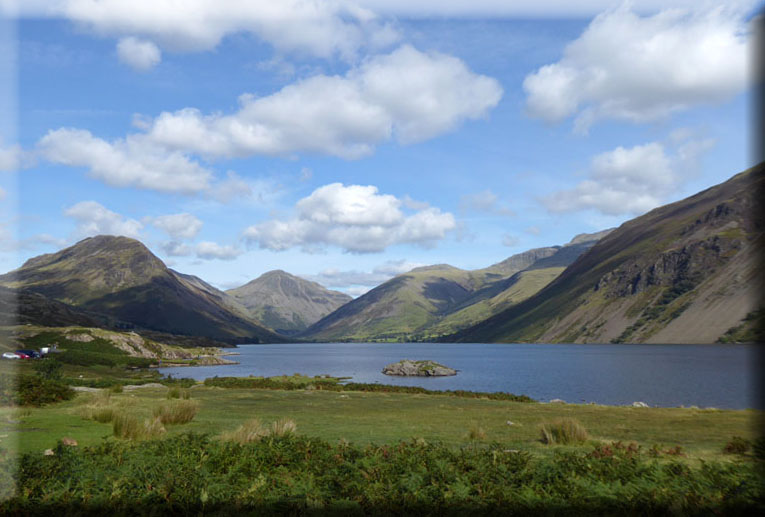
x=350 y=141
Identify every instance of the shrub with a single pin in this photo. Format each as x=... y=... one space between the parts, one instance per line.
x=183 y=473
x=563 y=431
x=737 y=445
x=32 y=390
x=248 y=432
x=300 y=383
x=116 y=388
x=177 y=411
x=48 y=369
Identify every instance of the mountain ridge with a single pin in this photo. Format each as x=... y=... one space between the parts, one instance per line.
x=415 y=304
x=651 y=277
x=120 y=277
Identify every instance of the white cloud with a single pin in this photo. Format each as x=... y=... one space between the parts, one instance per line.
x=485 y=201
x=396 y=267
x=631 y=180
x=504 y=8
x=334 y=278
x=407 y=95
x=178 y=226
x=176 y=249
x=140 y=54
x=211 y=250
x=644 y=68
x=314 y=27
x=205 y=250
x=355 y=218
x=95 y=219
x=131 y=162
x=358 y=282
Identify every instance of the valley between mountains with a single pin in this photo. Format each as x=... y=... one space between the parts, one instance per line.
x=687 y=272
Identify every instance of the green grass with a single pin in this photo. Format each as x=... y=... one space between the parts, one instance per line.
x=367 y=417
x=370 y=452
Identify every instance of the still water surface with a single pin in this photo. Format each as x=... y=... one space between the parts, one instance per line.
x=719 y=376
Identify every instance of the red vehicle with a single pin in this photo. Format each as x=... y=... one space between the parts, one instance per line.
x=22 y=355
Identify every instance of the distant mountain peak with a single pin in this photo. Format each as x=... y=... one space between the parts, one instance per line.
x=435 y=267
x=588 y=237
x=285 y=302
x=119 y=276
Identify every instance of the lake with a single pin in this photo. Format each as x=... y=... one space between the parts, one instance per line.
x=721 y=376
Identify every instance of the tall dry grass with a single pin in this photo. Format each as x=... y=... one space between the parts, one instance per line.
x=176 y=411
x=130 y=427
x=178 y=393
x=248 y=432
x=283 y=427
x=253 y=431
x=563 y=431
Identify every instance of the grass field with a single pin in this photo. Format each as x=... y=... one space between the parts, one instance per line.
x=295 y=445
x=387 y=418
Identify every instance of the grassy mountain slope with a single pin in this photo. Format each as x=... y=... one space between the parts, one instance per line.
x=287 y=303
x=517 y=288
x=397 y=307
x=682 y=273
x=435 y=300
x=121 y=278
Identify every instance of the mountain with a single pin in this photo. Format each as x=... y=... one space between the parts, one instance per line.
x=400 y=306
x=435 y=300
x=287 y=303
x=687 y=272
x=119 y=277
x=21 y=307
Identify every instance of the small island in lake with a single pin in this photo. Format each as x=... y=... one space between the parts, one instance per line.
x=409 y=368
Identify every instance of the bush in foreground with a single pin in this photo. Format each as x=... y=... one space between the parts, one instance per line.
x=296 y=475
x=563 y=431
